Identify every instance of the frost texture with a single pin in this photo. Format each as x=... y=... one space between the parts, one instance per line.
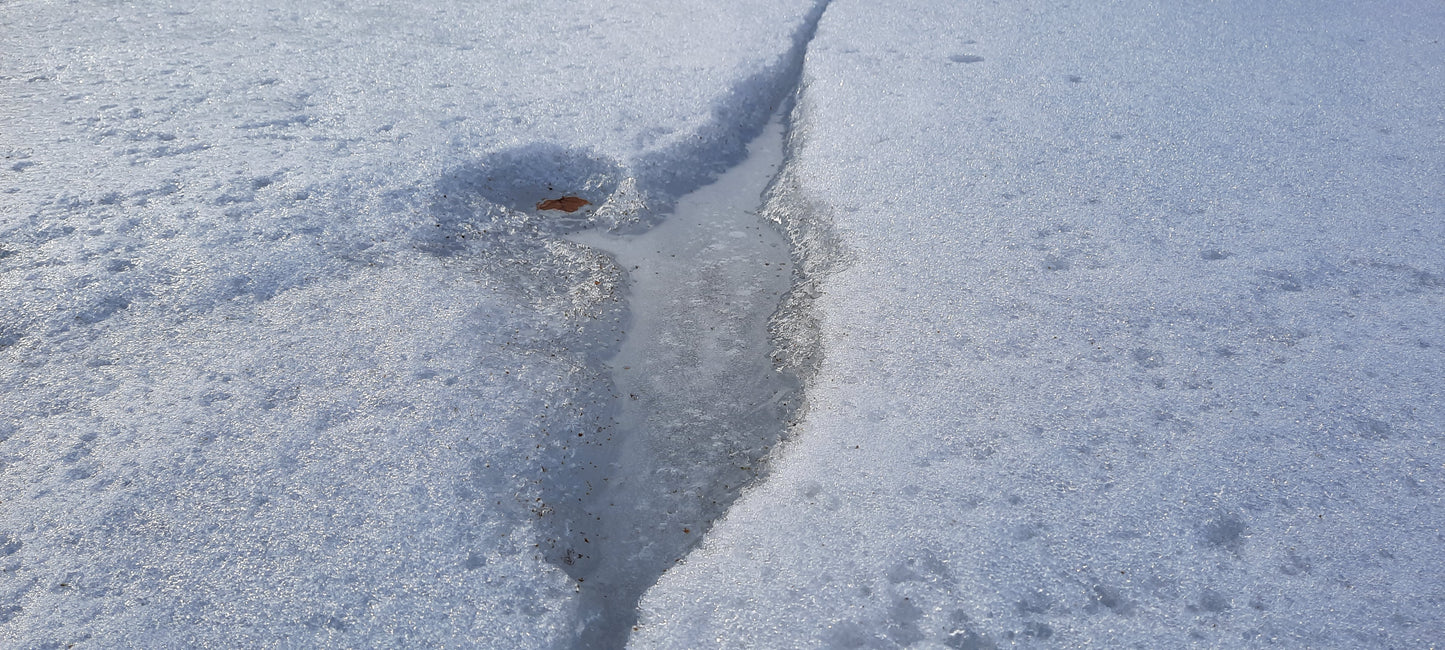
x=1137 y=343
x=285 y=357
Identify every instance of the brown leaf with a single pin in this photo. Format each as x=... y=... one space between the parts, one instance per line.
x=565 y=204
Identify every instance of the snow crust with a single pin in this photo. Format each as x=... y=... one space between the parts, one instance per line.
x=287 y=358
x=1135 y=337
x=1120 y=324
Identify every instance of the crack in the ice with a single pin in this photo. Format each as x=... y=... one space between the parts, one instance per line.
x=621 y=497
x=684 y=457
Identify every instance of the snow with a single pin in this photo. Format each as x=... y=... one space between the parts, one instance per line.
x=1116 y=324
x=285 y=356
x=1136 y=339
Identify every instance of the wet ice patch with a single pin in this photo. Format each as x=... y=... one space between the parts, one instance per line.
x=699 y=400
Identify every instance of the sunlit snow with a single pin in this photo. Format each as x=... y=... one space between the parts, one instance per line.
x=1024 y=324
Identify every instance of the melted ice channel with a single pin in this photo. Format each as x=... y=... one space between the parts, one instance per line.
x=700 y=400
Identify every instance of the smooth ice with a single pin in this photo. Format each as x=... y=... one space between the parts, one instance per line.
x=700 y=400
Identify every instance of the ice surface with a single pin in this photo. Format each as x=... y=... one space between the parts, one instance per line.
x=286 y=356
x=1120 y=324
x=701 y=403
x=1136 y=339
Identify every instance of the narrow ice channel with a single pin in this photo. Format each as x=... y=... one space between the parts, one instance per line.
x=700 y=402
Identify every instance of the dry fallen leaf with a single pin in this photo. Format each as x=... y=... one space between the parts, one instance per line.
x=565 y=204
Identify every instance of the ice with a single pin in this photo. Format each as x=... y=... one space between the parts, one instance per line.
x=1117 y=324
x=1134 y=338
x=700 y=401
x=286 y=355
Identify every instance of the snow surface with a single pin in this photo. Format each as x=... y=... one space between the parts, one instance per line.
x=286 y=355
x=1137 y=340
x=1120 y=324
